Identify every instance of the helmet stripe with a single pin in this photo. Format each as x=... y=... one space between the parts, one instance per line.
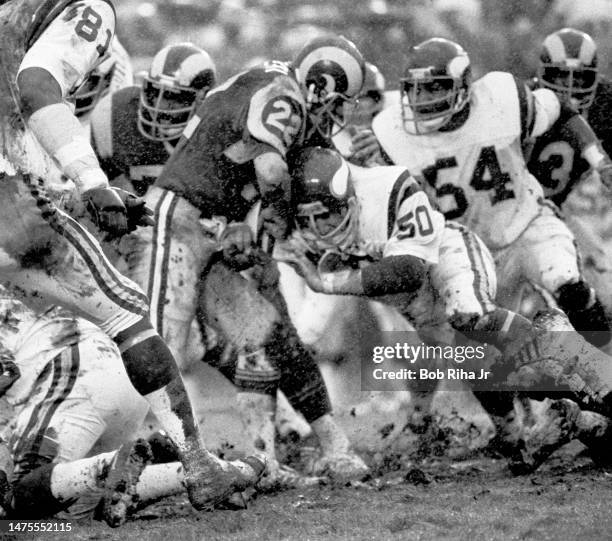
x=556 y=48
x=348 y=62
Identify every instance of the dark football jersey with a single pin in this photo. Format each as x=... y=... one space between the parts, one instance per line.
x=555 y=157
x=121 y=148
x=257 y=111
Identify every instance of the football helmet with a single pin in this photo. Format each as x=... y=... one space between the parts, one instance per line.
x=178 y=79
x=568 y=66
x=326 y=210
x=331 y=71
x=435 y=85
x=111 y=74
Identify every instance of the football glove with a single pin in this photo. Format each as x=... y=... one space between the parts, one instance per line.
x=116 y=211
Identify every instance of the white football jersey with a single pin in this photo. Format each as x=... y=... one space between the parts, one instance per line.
x=476 y=173
x=395 y=215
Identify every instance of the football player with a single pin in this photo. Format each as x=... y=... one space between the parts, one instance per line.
x=135 y=129
x=372 y=232
x=568 y=66
x=72 y=407
x=48 y=49
x=465 y=139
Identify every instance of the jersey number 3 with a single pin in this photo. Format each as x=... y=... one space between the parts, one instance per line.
x=88 y=26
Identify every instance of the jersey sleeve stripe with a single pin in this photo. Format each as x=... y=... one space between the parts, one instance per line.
x=399 y=193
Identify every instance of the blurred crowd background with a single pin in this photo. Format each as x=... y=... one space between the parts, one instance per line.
x=498 y=34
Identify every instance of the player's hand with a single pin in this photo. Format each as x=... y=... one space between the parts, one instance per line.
x=236 y=238
x=275 y=219
x=138 y=214
x=107 y=211
x=365 y=148
x=292 y=253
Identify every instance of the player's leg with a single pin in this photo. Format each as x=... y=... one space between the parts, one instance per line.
x=52 y=257
x=278 y=357
x=550 y=259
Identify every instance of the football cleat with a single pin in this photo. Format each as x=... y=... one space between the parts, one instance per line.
x=340 y=467
x=120 y=497
x=282 y=477
x=547 y=426
x=211 y=481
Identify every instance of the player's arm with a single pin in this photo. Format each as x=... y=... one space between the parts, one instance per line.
x=541 y=109
x=53 y=67
x=275 y=120
x=414 y=240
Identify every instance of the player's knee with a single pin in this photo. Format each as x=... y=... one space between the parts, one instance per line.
x=575 y=296
x=585 y=312
x=464 y=321
x=256 y=372
x=148 y=361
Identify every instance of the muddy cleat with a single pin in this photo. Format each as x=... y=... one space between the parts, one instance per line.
x=282 y=477
x=211 y=481
x=341 y=467
x=547 y=426
x=120 y=496
x=595 y=431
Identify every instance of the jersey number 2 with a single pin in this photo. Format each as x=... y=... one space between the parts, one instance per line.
x=88 y=27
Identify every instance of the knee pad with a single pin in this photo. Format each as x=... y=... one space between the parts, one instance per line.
x=148 y=361
x=464 y=322
x=585 y=312
x=256 y=372
x=574 y=296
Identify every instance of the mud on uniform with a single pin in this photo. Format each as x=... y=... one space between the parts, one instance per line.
x=45 y=254
x=72 y=390
x=477 y=175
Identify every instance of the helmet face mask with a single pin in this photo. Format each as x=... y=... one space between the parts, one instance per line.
x=568 y=67
x=165 y=111
x=178 y=80
x=435 y=86
x=327 y=213
x=325 y=112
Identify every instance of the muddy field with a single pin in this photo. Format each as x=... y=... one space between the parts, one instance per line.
x=470 y=499
x=429 y=498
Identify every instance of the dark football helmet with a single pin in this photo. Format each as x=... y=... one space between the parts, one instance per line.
x=178 y=79
x=323 y=192
x=435 y=85
x=113 y=73
x=568 y=66
x=331 y=71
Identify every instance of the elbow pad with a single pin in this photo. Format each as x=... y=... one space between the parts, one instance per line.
x=393 y=274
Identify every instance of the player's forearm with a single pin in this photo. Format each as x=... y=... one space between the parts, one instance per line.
x=578 y=129
x=391 y=275
x=58 y=130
